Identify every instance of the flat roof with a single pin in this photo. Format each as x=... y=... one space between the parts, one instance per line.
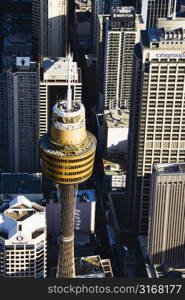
x=117 y=117
x=114 y=162
x=19 y=214
x=88 y=265
x=93 y=266
x=86 y=195
x=165 y=169
x=21 y=183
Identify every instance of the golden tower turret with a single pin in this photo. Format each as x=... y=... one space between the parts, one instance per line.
x=67 y=153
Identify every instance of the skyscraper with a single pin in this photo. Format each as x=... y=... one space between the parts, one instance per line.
x=40 y=28
x=157 y=131
x=98 y=7
x=50 y=27
x=151 y=10
x=23 y=246
x=167 y=208
x=23 y=115
x=68 y=155
x=122 y=32
x=57 y=27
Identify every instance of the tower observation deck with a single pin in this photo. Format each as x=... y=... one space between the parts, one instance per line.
x=67 y=153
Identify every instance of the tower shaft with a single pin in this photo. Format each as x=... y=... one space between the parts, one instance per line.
x=67 y=152
x=66 y=267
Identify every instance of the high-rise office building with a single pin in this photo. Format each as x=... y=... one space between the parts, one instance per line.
x=53 y=86
x=157 y=131
x=151 y=10
x=67 y=154
x=23 y=115
x=23 y=246
x=122 y=32
x=40 y=28
x=3 y=110
x=50 y=27
x=57 y=27
x=15 y=40
x=167 y=208
x=98 y=7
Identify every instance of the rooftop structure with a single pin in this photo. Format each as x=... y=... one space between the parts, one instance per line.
x=93 y=267
x=117 y=117
x=114 y=165
x=170 y=169
x=57 y=69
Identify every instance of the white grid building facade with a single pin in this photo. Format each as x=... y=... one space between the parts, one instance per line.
x=157 y=130
x=23 y=246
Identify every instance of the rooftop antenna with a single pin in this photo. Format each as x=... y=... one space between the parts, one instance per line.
x=69 y=95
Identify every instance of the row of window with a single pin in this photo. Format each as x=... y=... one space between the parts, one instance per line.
x=51 y=157
x=72 y=180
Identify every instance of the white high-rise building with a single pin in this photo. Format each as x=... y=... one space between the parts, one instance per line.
x=122 y=32
x=23 y=115
x=53 y=85
x=157 y=117
x=23 y=246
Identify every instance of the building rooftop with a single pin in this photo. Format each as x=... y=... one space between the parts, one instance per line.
x=17 y=39
x=169 y=31
x=86 y=195
x=93 y=266
x=114 y=163
x=123 y=10
x=169 y=169
x=57 y=69
x=21 y=183
x=20 y=209
x=117 y=117
x=90 y=59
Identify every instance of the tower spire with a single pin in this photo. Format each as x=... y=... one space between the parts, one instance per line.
x=69 y=94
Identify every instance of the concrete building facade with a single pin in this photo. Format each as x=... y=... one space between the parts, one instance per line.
x=23 y=243
x=156 y=132
x=151 y=10
x=167 y=208
x=23 y=115
x=122 y=32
